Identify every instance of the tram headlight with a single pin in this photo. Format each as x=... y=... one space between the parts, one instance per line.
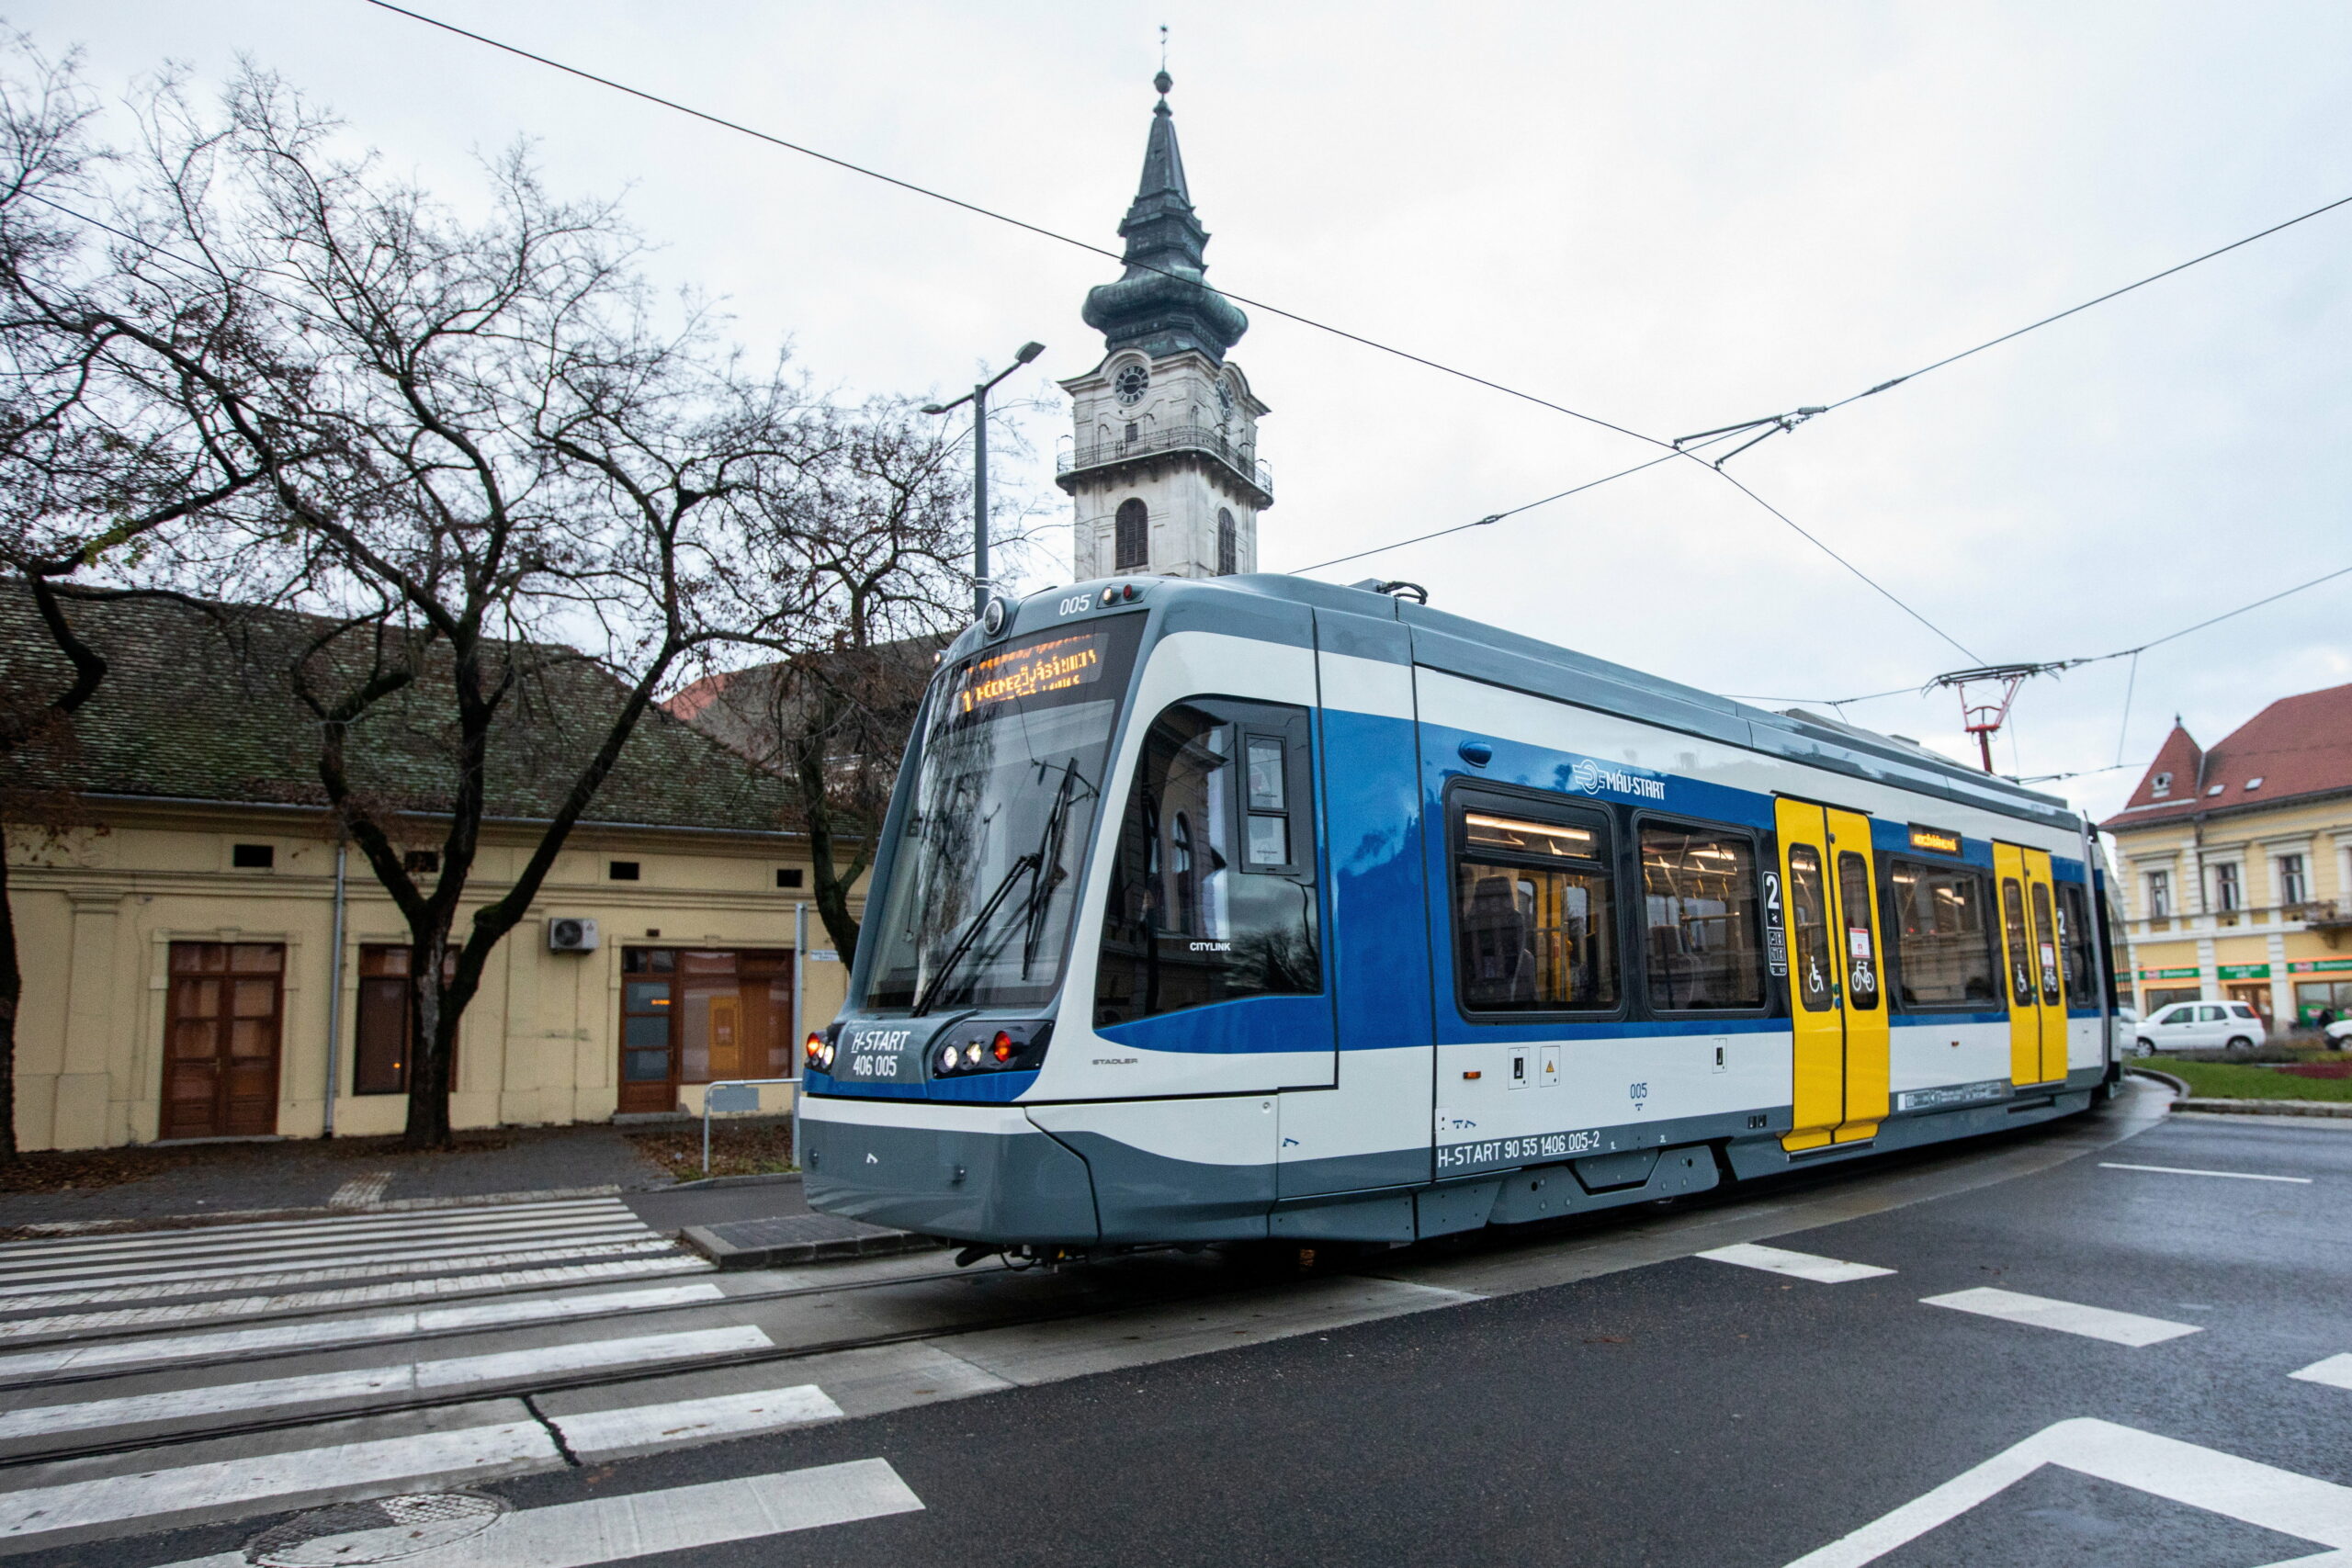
x=972 y=1054
x=815 y=1045
x=948 y=1057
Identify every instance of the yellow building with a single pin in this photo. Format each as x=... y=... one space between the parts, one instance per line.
x=183 y=973
x=2235 y=864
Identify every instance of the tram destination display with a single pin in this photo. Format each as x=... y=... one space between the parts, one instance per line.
x=1052 y=664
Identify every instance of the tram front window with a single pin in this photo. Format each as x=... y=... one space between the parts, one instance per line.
x=1211 y=892
x=1006 y=791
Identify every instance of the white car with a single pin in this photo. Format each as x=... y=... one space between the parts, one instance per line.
x=2339 y=1035
x=2201 y=1026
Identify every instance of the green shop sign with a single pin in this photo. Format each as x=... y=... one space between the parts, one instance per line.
x=2246 y=971
x=2318 y=965
x=2168 y=973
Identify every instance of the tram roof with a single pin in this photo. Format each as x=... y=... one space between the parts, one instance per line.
x=1461 y=646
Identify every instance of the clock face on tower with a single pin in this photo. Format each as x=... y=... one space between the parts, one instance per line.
x=1224 y=400
x=1130 y=383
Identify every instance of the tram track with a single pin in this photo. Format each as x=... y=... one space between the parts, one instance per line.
x=529 y=1391
x=69 y=1377
x=1108 y=1290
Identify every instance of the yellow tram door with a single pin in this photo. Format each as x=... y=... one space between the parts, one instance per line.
x=2022 y=977
x=1869 y=1039
x=1837 y=1013
x=2042 y=897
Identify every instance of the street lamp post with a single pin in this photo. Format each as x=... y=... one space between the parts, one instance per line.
x=979 y=397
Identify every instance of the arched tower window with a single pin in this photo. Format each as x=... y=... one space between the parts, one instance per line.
x=1227 y=545
x=1131 y=543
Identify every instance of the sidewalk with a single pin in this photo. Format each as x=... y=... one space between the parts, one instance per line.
x=162 y=1185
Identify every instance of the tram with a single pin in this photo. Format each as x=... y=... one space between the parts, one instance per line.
x=1263 y=909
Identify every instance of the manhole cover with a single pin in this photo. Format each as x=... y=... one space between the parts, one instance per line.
x=384 y=1529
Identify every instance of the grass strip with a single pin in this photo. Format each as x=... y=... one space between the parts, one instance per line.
x=2230 y=1080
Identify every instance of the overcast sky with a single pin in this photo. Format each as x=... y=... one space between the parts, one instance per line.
x=1672 y=218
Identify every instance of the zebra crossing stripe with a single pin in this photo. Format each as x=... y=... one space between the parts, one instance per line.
x=60 y=1325
x=1796 y=1265
x=374 y=1382
x=2336 y=1371
x=212 y=1281
x=609 y=1434
x=197 y=1264
x=159 y=1498
x=230 y=1239
x=465 y=1215
x=2066 y=1317
x=87 y=1357
x=615 y=1529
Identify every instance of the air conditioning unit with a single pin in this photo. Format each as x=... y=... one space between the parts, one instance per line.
x=570 y=933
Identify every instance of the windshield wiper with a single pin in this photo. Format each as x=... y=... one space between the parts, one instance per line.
x=979 y=922
x=1042 y=867
x=1049 y=873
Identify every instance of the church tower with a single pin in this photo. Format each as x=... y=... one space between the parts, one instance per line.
x=1164 y=464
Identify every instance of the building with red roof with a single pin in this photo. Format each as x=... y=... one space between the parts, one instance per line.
x=2235 y=863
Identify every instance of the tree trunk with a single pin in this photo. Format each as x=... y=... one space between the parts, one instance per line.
x=12 y=992
x=432 y=1026
x=827 y=878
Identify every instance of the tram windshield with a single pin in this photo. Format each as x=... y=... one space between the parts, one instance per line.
x=1005 y=794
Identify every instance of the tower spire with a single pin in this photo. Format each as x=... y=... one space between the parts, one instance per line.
x=1161 y=303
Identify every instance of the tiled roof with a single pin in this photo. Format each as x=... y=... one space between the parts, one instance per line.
x=2298 y=747
x=188 y=711
x=746 y=708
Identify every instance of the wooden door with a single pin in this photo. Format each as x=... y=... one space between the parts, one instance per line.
x=648 y=1032
x=222 y=1038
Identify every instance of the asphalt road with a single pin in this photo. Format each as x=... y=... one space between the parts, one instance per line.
x=1684 y=1411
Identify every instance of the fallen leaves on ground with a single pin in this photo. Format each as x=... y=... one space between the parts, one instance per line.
x=742 y=1148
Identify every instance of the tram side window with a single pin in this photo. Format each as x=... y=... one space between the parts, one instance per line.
x=2013 y=926
x=1212 y=886
x=1534 y=923
x=2074 y=940
x=1699 y=888
x=1816 y=966
x=2045 y=935
x=1862 y=950
x=1943 y=947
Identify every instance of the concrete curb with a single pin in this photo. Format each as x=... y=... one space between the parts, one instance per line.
x=757 y=1244
x=2332 y=1108
x=2179 y=1088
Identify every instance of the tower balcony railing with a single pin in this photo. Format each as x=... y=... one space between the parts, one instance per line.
x=1207 y=439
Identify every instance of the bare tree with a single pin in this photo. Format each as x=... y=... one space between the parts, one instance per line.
x=92 y=472
x=889 y=569
x=520 y=496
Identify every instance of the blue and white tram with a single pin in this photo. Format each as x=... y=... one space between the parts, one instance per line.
x=1261 y=908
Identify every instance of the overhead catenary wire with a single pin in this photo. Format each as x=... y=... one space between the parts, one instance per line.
x=1039 y=230
x=2131 y=653
x=1492 y=516
x=994 y=216
x=1783 y=422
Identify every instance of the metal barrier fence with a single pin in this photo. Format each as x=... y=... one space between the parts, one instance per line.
x=745 y=1098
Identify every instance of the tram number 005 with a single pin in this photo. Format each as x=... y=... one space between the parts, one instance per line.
x=874 y=1067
